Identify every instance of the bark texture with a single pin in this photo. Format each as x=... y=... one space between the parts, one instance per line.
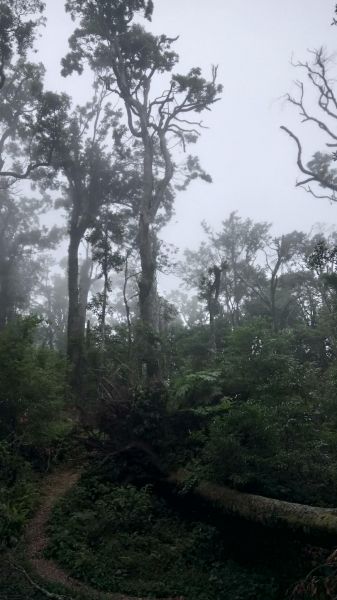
x=314 y=521
x=75 y=334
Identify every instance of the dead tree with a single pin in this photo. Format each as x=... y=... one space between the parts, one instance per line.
x=319 y=173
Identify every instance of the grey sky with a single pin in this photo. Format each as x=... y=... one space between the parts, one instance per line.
x=251 y=161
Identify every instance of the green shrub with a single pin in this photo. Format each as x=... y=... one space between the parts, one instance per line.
x=124 y=539
x=196 y=389
x=286 y=451
x=260 y=364
x=32 y=422
x=32 y=387
x=17 y=495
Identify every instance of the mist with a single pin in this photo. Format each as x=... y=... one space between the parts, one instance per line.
x=168 y=299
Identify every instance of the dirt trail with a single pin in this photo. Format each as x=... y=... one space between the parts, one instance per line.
x=54 y=487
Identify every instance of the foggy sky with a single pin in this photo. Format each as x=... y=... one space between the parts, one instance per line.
x=253 y=163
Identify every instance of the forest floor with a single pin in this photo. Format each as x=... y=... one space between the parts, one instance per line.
x=26 y=573
x=48 y=572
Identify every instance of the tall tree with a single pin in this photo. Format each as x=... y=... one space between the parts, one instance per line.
x=232 y=252
x=129 y=59
x=209 y=291
x=106 y=240
x=273 y=282
x=88 y=181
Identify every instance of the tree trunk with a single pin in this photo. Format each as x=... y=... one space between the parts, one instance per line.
x=84 y=289
x=273 y=307
x=313 y=521
x=213 y=306
x=75 y=332
x=274 y=281
x=148 y=308
x=127 y=307
x=8 y=294
x=147 y=284
x=104 y=309
x=3 y=300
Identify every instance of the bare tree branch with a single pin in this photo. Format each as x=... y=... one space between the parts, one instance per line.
x=332 y=197
x=312 y=175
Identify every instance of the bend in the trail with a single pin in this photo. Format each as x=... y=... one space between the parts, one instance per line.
x=54 y=487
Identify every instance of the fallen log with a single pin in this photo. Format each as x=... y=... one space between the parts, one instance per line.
x=313 y=521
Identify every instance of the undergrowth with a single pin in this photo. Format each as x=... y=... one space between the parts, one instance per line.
x=17 y=496
x=120 y=538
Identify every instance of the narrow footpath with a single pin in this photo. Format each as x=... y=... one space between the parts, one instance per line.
x=54 y=486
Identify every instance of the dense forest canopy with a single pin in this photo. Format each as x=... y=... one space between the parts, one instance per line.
x=175 y=435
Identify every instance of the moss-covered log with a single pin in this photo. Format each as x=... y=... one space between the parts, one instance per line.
x=313 y=521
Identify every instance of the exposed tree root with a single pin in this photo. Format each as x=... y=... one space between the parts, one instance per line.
x=36 y=586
